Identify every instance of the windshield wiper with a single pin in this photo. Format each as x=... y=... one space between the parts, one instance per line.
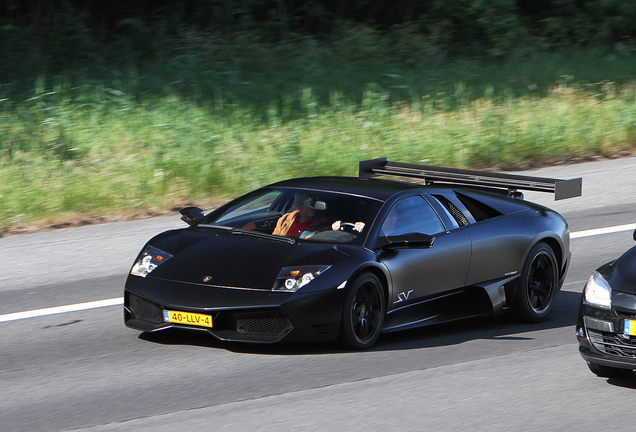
x=221 y=227
x=264 y=236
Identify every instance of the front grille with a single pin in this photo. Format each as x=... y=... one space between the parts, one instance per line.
x=624 y=314
x=612 y=344
x=145 y=310
x=261 y=323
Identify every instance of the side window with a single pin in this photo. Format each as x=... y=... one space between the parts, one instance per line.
x=410 y=215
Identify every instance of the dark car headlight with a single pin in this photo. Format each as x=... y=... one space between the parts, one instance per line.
x=598 y=292
x=149 y=260
x=291 y=279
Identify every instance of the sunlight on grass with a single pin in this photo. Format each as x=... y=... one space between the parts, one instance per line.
x=114 y=156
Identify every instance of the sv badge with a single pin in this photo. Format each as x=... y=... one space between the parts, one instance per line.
x=403 y=297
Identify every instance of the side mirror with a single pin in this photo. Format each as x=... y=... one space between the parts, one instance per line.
x=409 y=240
x=191 y=215
x=634 y=235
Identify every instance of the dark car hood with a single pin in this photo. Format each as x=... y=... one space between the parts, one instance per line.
x=621 y=275
x=221 y=258
x=626 y=267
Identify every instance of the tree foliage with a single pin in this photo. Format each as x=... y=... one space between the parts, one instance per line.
x=494 y=23
x=190 y=41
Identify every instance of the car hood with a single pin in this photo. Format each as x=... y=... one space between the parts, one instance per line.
x=621 y=274
x=219 y=257
x=626 y=267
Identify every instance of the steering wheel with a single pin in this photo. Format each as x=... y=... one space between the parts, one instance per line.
x=347 y=226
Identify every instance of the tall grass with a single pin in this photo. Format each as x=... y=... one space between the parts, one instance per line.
x=62 y=160
x=209 y=124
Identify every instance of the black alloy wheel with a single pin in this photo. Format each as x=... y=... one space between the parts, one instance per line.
x=363 y=313
x=539 y=284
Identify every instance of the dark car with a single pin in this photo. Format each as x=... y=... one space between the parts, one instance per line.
x=377 y=255
x=606 y=328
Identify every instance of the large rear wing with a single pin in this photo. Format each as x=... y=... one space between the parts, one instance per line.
x=562 y=188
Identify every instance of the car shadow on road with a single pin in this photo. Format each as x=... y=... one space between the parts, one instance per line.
x=563 y=315
x=628 y=382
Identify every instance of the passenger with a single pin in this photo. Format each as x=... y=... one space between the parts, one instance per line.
x=296 y=222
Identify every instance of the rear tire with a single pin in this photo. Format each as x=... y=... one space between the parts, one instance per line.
x=363 y=313
x=608 y=371
x=539 y=284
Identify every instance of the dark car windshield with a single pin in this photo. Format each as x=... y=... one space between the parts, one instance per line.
x=307 y=215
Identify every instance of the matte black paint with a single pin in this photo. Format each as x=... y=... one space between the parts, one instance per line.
x=423 y=285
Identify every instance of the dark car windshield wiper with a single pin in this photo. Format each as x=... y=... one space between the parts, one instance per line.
x=264 y=236
x=221 y=227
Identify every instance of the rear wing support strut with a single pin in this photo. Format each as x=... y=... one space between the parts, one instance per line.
x=562 y=188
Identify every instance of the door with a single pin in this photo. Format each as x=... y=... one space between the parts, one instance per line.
x=418 y=273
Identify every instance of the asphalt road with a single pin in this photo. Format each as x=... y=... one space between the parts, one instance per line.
x=84 y=370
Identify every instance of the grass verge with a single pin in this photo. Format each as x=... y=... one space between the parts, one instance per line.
x=92 y=153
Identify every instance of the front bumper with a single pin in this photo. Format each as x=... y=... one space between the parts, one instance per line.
x=602 y=340
x=237 y=315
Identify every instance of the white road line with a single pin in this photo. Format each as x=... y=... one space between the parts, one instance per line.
x=599 y=231
x=62 y=309
x=120 y=300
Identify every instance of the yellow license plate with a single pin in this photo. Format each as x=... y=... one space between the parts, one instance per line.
x=629 y=327
x=187 y=318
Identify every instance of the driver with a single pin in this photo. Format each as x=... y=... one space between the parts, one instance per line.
x=305 y=216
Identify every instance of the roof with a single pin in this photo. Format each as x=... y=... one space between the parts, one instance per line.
x=373 y=188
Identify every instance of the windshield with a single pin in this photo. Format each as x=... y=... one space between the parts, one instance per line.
x=303 y=214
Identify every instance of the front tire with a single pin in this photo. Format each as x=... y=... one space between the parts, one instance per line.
x=608 y=371
x=539 y=284
x=363 y=313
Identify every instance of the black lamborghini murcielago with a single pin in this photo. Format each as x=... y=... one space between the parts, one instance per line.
x=382 y=255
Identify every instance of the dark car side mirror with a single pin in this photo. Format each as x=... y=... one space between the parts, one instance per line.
x=634 y=235
x=409 y=240
x=191 y=215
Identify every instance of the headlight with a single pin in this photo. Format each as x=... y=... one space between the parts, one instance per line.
x=290 y=279
x=598 y=291
x=149 y=260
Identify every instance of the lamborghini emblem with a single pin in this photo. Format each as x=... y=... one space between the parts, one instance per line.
x=207 y=278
